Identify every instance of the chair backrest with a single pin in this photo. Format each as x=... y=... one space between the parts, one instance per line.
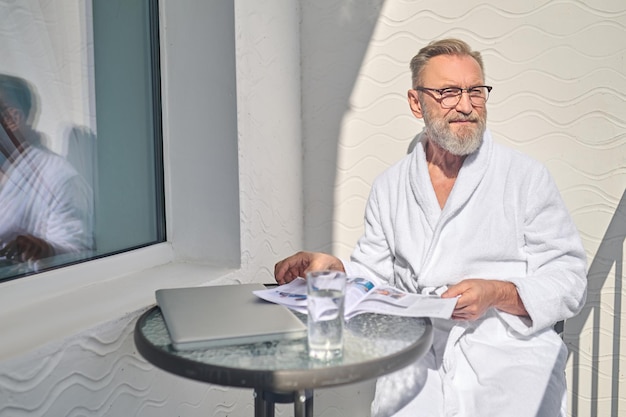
x=559 y=327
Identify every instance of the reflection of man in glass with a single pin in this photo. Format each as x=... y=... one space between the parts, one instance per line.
x=46 y=207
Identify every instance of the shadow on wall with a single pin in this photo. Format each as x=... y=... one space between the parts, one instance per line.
x=610 y=256
x=333 y=53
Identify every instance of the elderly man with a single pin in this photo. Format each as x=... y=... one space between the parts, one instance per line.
x=46 y=207
x=485 y=224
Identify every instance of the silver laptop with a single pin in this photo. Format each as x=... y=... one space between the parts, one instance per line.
x=202 y=317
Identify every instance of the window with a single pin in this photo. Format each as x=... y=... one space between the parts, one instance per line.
x=201 y=189
x=81 y=172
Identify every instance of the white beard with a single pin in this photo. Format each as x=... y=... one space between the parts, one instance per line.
x=462 y=143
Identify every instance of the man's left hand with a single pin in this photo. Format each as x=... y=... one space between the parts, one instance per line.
x=475 y=296
x=27 y=247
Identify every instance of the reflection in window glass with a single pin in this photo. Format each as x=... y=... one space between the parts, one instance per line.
x=80 y=132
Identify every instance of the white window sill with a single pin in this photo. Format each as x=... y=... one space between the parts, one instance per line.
x=55 y=305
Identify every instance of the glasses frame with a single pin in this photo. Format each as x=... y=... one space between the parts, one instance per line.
x=440 y=91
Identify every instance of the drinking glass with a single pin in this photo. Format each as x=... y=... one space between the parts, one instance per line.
x=325 y=294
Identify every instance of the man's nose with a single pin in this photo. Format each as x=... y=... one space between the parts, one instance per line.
x=464 y=105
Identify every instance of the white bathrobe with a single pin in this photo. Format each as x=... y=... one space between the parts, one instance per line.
x=504 y=219
x=42 y=195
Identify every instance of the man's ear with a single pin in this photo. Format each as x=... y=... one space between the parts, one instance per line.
x=414 y=104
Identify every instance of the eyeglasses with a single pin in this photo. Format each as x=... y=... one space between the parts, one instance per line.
x=451 y=96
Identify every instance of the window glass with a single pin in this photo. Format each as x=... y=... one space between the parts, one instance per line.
x=80 y=132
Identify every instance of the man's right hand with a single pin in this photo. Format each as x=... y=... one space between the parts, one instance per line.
x=302 y=262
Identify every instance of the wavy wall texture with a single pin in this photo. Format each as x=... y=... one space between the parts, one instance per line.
x=101 y=374
x=559 y=76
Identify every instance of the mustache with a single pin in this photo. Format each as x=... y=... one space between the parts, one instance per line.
x=464 y=118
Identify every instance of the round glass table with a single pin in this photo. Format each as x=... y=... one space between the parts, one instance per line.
x=281 y=371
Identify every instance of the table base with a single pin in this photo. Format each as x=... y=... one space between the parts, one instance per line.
x=264 y=402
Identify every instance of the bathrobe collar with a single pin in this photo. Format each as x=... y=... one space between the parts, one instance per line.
x=470 y=176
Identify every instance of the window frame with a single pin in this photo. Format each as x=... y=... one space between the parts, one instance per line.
x=202 y=245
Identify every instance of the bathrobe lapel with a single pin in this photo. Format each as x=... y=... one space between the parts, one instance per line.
x=470 y=176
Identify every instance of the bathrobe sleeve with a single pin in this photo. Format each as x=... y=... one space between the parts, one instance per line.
x=51 y=201
x=554 y=287
x=69 y=223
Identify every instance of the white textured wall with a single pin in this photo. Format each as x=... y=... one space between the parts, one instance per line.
x=559 y=74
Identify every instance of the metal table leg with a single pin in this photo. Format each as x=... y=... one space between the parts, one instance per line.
x=265 y=402
x=269 y=408
x=303 y=403
x=259 y=404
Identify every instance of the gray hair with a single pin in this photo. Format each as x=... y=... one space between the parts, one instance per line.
x=441 y=47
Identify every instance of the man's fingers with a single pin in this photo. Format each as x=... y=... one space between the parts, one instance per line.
x=27 y=247
x=290 y=268
x=302 y=262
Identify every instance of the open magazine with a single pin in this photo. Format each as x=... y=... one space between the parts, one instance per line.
x=365 y=296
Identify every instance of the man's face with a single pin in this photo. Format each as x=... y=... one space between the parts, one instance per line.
x=7 y=147
x=458 y=130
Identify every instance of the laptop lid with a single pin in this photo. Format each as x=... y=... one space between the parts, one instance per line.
x=202 y=317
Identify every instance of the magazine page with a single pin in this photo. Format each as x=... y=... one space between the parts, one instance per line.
x=356 y=290
x=365 y=296
x=385 y=299
x=292 y=295
x=382 y=293
x=405 y=304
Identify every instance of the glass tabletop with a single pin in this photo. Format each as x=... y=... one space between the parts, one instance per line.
x=374 y=345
